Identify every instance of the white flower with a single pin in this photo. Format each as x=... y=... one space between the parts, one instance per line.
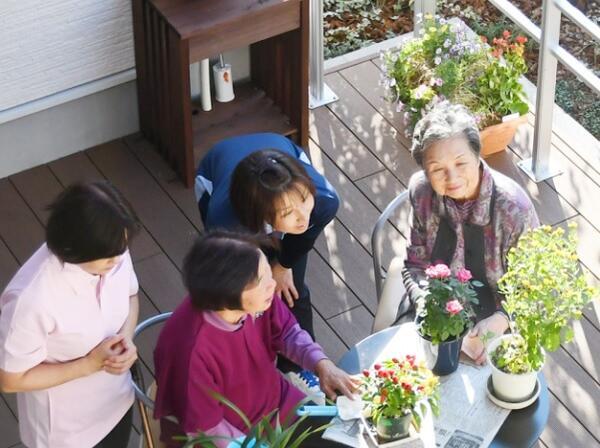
x=392 y=82
x=420 y=91
x=399 y=106
x=447 y=43
x=437 y=60
x=438 y=51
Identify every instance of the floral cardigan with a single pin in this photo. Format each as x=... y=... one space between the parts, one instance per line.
x=513 y=214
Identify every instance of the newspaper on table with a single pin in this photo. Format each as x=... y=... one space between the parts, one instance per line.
x=468 y=419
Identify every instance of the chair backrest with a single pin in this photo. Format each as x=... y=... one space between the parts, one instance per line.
x=376 y=240
x=145 y=397
x=138 y=380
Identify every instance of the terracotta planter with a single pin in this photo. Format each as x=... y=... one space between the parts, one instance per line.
x=393 y=428
x=497 y=137
x=510 y=387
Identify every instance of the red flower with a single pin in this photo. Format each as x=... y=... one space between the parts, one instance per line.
x=395 y=380
x=406 y=387
x=464 y=275
x=395 y=361
x=377 y=366
x=382 y=374
x=506 y=34
x=421 y=388
x=439 y=271
x=366 y=373
x=411 y=359
x=521 y=40
x=454 y=307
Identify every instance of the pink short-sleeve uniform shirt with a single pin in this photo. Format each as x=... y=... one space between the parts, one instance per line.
x=56 y=312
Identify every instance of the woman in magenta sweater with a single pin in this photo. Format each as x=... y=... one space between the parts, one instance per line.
x=225 y=337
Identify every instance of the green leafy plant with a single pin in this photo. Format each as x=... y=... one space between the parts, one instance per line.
x=399 y=387
x=446 y=311
x=267 y=432
x=449 y=63
x=544 y=291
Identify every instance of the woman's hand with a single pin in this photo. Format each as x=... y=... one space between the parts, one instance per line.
x=473 y=345
x=124 y=359
x=285 y=284
x=110 y=346
x=334 y=379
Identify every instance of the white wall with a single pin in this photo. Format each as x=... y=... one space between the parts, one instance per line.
x=48 y=46
x=66 y=70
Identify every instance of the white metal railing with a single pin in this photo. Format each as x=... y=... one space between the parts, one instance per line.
x=319 y=92
x=538 y=166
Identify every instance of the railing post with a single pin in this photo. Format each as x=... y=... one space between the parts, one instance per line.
x=538 y=166
x=421 y=8
x=319 y=93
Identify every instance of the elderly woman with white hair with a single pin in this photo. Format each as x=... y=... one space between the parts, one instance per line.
x=464 y=214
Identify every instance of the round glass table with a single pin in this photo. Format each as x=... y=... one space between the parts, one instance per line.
x=521 y=429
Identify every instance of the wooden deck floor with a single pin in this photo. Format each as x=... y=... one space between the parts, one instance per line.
x=358 y=144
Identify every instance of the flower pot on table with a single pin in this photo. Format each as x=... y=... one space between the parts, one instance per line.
x=393 y=428
x=441 y=358
x=510 y=387
x=496 y=138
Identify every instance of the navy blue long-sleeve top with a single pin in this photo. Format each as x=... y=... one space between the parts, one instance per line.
x=213 y=180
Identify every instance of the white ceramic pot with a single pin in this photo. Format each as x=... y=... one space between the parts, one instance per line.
x=509 y=386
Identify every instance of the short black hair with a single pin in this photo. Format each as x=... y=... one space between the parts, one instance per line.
x=219 y=266
x=260 y=180
x=90 y=221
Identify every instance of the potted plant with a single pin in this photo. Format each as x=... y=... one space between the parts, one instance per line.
x=397 y=392
x=444 y=315
x=544 y=291
x=449 y=62
x=268 y=432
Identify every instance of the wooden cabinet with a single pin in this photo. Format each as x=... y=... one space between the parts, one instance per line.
x=172 y=34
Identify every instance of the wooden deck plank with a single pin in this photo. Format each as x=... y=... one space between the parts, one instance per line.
x=550 y=207
x=381 y=189
x=8 y=265
x=356 y=212
x=166 y=178
x=331 y=343
x=574 y=388
x=19 y=227
x=353 y=325
x=170 y=228
x=371 y=128
x=161 y=282
x=329 y=294
x=79 y=168
x=350 y=261
x=564 y=430
x=341 y=145
x=585 y=347
x=365 y=78
x=39 y=188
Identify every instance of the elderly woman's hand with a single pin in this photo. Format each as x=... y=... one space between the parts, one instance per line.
x=334 y=379
x=473 y=345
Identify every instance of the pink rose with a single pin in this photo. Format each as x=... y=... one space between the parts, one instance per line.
x=464 y=275
x=440 y=271
x=454 y=307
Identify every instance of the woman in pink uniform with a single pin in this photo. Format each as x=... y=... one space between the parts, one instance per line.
x=66 y=324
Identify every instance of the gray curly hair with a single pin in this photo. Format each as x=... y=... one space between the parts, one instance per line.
x=445 y=120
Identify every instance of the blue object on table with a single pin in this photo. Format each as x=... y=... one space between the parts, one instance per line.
x=237 y=443
x=317 y=411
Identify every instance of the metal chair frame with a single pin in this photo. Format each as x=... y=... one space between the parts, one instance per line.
x=143 y=401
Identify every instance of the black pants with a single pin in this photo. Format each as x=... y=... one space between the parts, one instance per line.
x=119 y=436
x=302 y=309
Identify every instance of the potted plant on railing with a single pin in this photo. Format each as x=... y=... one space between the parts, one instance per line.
x=397 y=393
x=544 y=291
x=449 y=62
x=444 y=315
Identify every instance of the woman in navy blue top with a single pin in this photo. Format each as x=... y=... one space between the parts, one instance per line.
x=265 y=183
